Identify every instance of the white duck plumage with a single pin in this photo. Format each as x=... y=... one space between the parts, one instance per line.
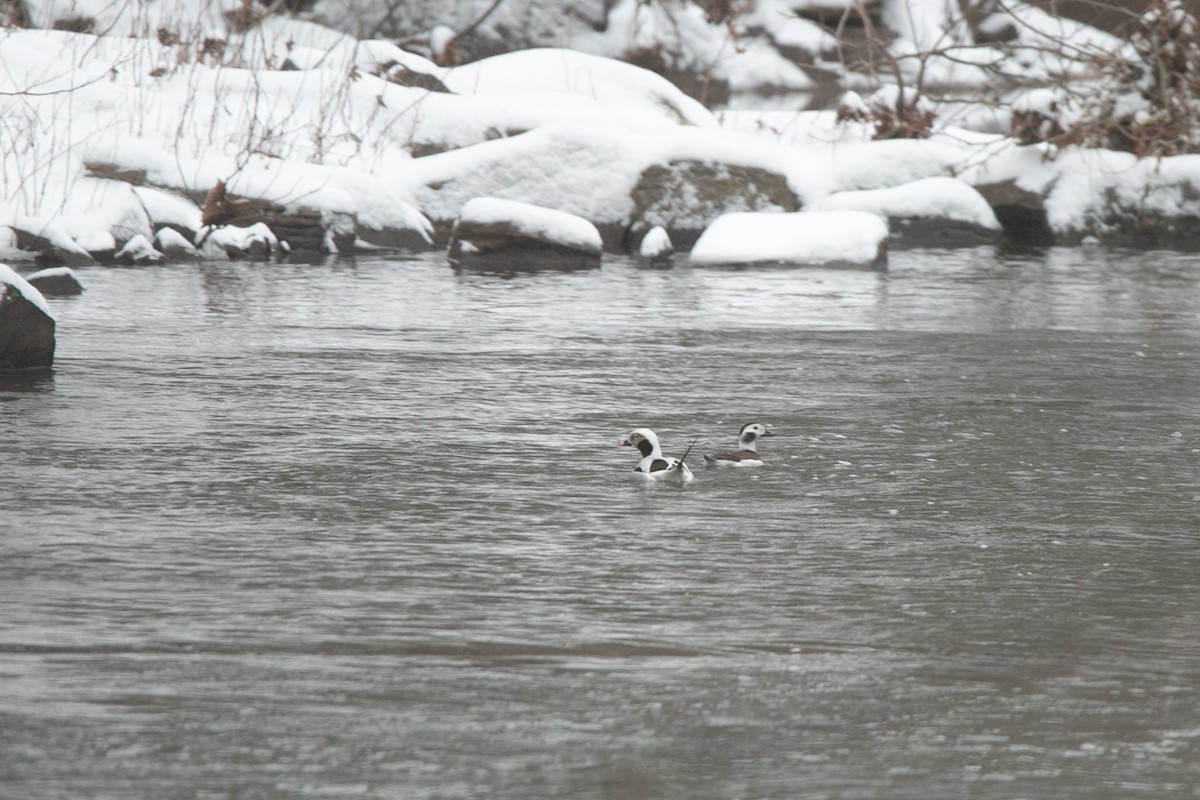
x=654 y=465
x=747 y=453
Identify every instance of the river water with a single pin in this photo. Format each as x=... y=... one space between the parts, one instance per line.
x=361 y=530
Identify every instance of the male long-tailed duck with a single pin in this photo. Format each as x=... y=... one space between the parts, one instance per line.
x=654 y=465
x=747 y=453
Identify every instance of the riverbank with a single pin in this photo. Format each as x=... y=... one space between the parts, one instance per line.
x=273 y=135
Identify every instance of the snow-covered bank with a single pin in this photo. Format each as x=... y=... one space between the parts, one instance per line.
x=217 y=135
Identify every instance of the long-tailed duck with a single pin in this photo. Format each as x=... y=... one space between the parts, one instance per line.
x=747 y=453
x=654 y=465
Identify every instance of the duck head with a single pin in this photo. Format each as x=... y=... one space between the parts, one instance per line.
x=643 y=439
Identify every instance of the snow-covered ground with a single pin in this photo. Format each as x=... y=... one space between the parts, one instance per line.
x=110 y=143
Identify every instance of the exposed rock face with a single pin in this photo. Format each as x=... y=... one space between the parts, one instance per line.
x=1022 y=213
x=174 y=245
x=56 y=281
x=509 y=235
x=253 y=242
x=26 y=327
x=138 y=250
x=929 y=212
x=306 y=228
x=684 y=196
x=52 y=246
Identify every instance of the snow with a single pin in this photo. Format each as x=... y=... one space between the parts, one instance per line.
x=945 y=198
x=9 y=278
x=815 y=238
x=139 y=250
x=656 y=243
x=47 y=227
x=241 y=240
x=558 y=71
x=51 y=272
x=584 y=171
x=545 y=224
x=171 y=240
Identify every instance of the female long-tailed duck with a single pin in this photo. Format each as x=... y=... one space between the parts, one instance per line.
x=654 y=465
x=747 y=453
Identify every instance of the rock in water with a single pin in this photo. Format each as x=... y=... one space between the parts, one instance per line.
x=656 y=245
x=26 y=327
x=811 y=238
x=55 y=281
x=507 y=234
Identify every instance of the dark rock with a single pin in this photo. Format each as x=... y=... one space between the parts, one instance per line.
x=685 y=196
x=79 y=24
x=308 y=230
x=174 y=244
x=396 y=238
x=1022 y=213
x=55 y=281
x=26 y=330
x=114 y=172
x=52 y=252
x=491 y=241
x=837 y=15
x=403 y=76
x=912 y=232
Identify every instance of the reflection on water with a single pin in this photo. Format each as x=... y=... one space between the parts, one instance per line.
x=362 y=529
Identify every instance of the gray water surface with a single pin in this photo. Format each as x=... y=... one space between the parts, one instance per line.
x=362 y=530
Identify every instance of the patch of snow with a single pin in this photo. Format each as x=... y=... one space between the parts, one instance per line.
x=559 y=71
x=946 y=198
x=140 y=251
x=656 y=243
x=926 y=25
x=584 y=171
x=99 y=211
x=51 y=272
x=891 y=162
x=8 y=245
x=375 y=55
x=168 y=208
x=48 y=228
x=169 y=240
x=441 y=37
x=816 y=238
x=241 y=239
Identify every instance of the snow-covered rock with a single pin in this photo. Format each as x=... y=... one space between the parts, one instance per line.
x=174 y=245
x=47 y=237
x=620 y=182
x=818 y=238
x=26 y=325
x=656 y=245
x=57 y=281
x=931 y=212
x=102 y=215
x=1079 y=194
x=138 y=250
x=519 y=235
x=233 y=241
